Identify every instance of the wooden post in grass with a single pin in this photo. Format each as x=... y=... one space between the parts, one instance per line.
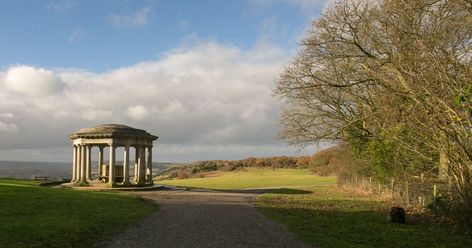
x=407 y=193
x=435 y=195
x=391 y=187
x=370 y=184
x=397 y=215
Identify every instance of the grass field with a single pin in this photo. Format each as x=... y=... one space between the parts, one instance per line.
x=329 y=217
x=253 y=178
x=33 y=216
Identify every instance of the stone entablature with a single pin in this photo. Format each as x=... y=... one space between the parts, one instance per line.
x=112 y=136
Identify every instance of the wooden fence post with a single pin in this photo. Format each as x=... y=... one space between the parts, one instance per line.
x=407 y=193
x=391 y=186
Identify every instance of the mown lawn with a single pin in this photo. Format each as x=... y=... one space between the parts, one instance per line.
x=331 y=218
x=33 y=216
x=253 y=178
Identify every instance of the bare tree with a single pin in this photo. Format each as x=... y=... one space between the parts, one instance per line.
x=395 y=69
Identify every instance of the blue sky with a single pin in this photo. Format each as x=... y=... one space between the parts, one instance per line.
x=102 y=35
x=199 y=74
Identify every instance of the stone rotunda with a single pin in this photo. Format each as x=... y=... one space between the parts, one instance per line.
x=112 y=136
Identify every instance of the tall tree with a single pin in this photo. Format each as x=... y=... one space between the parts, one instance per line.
x=395 y=72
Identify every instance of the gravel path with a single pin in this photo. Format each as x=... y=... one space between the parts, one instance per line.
x=201 y=218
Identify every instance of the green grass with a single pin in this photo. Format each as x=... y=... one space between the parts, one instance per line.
x=33 y=216
x=19 y=182
x=324 y=216
x=331 y=218
x=253 y=178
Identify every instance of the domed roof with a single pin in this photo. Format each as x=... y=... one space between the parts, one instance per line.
x=111 y=131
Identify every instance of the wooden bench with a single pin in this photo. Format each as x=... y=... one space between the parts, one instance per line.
x=44 y=178
x=118 y=179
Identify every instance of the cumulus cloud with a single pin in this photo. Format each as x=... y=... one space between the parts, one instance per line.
x=32 y=81
x=138 y=19
x=7 y=127
x=6 y=115
x=96 y=115
x=206 y=100
x=137 y=112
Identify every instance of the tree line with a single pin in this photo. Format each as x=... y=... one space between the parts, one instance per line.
x=392 y=79
x=324 y=163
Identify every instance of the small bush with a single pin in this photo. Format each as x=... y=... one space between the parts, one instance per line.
x=182 y=174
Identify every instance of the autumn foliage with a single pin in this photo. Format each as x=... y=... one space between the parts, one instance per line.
x=325 y=162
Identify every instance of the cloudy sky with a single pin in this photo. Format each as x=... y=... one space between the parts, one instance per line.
x=199 y=74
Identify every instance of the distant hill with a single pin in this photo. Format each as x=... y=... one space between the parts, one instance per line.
x=22 y=169
x=60 y=170
x=325 y=162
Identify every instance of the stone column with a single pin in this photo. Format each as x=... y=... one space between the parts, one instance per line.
x=83 y=172
x=78 y=167
x=111 y=166
x=126 y=166
x=141 y=166
x=136 y=158
x=100 y=161
x=149 y=165
x=74 y=164
x=88 y=162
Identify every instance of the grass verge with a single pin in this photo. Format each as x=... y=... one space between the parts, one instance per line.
x=33 y=216
x=331 y=218
x=253 y=178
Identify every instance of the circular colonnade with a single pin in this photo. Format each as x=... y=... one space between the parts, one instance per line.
x=112 y=136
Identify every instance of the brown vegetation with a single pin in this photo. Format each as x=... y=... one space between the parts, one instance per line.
x=325 y=162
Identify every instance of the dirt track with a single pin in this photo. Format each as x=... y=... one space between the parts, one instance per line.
x=200 y=218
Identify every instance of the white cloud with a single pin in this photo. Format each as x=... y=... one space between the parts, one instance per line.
x=137 y=112
x=60 y=5
x=138 y=19
x=198 y=96
x=97 y=115
x=6 y=115
x=77 y=35
x=32 y=81
x=7 y=127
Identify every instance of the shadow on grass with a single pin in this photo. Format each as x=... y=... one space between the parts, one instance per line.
x=285 y=191
x=362 y=228
x=288 y=191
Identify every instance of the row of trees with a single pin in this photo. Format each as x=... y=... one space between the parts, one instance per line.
x=325 y=162
x=393 y=79
x=196 y=169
